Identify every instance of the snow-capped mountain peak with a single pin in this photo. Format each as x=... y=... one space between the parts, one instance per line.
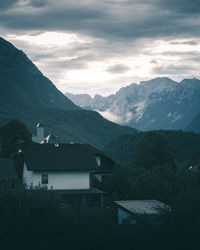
x=160 y=103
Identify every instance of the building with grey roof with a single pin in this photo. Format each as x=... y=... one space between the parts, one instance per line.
x=129 y=210
x=63 y=168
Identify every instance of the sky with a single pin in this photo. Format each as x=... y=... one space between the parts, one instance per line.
x=99 y=46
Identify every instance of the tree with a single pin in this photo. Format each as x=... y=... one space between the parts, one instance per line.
x=152 y=150
x=13 y=137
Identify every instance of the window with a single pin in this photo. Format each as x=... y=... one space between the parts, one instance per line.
x=44 y=178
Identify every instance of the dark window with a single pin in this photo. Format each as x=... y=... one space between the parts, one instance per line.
x=44 y=178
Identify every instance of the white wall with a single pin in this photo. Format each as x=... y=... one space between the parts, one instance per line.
x=27 y=176
x=123 y=215
x=58 y=180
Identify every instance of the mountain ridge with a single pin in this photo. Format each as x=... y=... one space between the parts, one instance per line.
x=26 y=94
x=159 y=103
x=21 y=74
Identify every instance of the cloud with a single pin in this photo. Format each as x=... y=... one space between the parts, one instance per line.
x=118 y=69
x=122 y=20
x=191 y=56
x=99 y=46
x=192 y=43
x=153 y=62
x=6 y=4
x=37 y=3
x=181 y=6
x=173 y=69
x=76 y=63
x=82 y=65
x=110 y=116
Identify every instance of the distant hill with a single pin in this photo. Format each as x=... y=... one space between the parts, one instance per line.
x=194 y=124
x=185 y=146
x=26 y=94
x=160 y=103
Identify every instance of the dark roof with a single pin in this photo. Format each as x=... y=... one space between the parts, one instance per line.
x=106 y=162
x=91 y=191
x=7 y=169
x=93 y=149
x=39 y=157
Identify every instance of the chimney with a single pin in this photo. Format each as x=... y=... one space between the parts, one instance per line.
x=40 y=134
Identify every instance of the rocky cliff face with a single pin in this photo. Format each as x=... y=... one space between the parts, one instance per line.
x=195 y=124
x=160 y=103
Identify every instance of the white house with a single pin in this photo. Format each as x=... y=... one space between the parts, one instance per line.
x=104 y=163
x=129 y=210
x=64 y=168
x=58 y=166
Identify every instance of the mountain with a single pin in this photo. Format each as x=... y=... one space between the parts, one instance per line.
x=160 y=103
x=22 y=83
x=194 y=124
x=82 y=100
x=26 y=94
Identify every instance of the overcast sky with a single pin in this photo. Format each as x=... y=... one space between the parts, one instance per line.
x=98 y=46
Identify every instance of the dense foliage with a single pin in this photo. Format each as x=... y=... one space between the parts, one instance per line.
x=185 y=146
x=37 y=219
x=153 y=149
x=151 y=172
x=14 y=136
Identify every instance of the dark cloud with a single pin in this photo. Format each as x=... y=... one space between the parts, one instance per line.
x=116 y=20
x=118 y=69
x=120 y=31
x=37 y=3
x=6 y=4
x=187 y=56
x=173 y=69
x=192 y=43
x=77 y=63
x=153 y=62
x=181 y=6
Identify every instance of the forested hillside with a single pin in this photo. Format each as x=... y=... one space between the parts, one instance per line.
x=185 y=146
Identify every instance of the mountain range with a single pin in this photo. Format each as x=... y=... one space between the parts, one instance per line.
x=160 y=103
x=26 y=94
